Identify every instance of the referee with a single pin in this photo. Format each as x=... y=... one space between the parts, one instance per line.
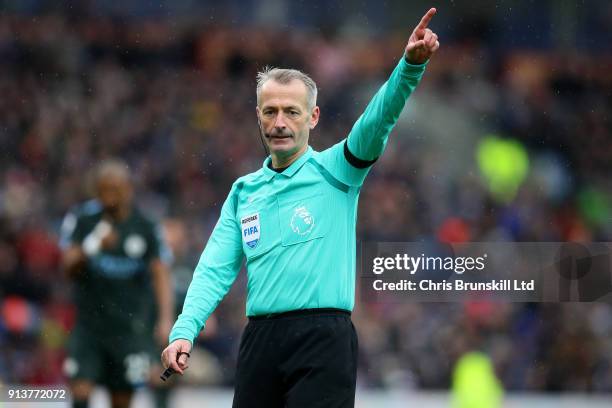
x=294 y=222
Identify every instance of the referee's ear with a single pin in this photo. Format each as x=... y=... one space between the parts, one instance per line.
x=314 y=117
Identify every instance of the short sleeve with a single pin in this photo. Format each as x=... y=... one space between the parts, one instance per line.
x=157 y=247
x=71 y=231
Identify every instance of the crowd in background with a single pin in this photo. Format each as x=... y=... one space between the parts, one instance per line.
x=177 y=102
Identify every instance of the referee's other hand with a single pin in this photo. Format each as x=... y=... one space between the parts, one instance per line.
x=168 y=356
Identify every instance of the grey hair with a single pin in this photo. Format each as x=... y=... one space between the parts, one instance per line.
x=284 y=76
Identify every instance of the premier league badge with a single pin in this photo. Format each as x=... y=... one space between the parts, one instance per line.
x=250 y=230
x=302 y=221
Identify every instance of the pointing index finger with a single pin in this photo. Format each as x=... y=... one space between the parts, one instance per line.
x=426 y=19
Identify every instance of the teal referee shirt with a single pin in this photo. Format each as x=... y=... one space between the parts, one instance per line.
x=296 y=228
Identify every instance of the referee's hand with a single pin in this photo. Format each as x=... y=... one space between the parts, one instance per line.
x=423 y=42
x=168 y=356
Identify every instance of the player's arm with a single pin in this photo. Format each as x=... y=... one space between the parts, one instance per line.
x=73 y=259
x=216 y=271
x=160 y=259
x=164 y=297
x=77 y=244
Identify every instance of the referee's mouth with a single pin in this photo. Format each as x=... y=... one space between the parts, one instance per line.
x=279 y=136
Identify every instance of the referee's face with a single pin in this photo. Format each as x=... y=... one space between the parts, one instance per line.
x=286 y=119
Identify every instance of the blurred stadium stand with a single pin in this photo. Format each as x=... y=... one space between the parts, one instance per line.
x=170 y=88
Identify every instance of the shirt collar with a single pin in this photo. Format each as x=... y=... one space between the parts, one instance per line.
x=292 y=169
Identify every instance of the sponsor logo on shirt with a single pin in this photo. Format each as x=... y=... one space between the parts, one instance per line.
x=250 y=230
x=135 y=246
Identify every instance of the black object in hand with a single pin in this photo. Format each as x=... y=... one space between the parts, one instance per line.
x=169 y=371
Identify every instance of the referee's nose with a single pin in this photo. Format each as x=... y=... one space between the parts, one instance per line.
x=279 y=122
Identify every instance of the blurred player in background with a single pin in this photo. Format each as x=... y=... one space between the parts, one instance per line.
x=118 y=262
x=294 y=220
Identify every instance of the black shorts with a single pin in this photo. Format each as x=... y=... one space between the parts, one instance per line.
x=305 y=358
x=121 y=361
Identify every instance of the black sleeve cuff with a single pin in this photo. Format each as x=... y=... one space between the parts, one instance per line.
x=355 y=161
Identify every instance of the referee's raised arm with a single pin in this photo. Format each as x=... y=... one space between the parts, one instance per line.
x=369 y=135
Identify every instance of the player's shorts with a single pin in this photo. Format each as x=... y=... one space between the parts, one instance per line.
x=119 y=361
x=305 y=358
